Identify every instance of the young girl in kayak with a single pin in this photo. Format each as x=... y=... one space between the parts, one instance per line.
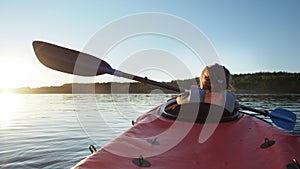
x=214 y=85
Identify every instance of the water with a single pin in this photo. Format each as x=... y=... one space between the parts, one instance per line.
x=54 y=131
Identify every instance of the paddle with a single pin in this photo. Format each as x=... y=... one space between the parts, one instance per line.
x=74 y=62
x=281 y=117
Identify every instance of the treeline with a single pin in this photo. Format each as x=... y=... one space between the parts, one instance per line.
x=90 y=88
x=264 y=82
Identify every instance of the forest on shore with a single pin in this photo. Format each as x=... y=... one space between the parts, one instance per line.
x=263 y=82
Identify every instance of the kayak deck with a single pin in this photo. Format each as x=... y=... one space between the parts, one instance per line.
x=164 y=143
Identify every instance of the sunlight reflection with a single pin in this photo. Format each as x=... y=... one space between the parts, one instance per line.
x=9 y=104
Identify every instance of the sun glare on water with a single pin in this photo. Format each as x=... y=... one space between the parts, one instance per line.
x=9 y=104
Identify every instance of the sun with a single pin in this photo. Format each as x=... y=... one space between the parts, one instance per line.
x=13 y=74
x=7 y=74
x=6 y=92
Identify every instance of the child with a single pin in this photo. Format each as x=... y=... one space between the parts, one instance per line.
x=214 y=86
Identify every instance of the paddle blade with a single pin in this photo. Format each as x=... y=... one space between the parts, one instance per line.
x=69 y=61
x=283 y=118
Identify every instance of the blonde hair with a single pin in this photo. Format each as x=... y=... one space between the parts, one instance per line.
x=215 y=78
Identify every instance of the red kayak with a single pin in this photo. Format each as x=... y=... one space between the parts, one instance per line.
x=158 y=141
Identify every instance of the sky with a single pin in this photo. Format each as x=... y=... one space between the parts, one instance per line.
x=247 y=36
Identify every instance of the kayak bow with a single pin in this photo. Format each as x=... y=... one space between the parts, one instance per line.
x=158 y=142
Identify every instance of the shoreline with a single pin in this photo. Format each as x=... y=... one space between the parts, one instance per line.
x=263 y=82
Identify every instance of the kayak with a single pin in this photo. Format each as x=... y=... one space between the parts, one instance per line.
x=175 y=137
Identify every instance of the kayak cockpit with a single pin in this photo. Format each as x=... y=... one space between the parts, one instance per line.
x=197 y=113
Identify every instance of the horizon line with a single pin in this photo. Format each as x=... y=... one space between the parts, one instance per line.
x=2 y=89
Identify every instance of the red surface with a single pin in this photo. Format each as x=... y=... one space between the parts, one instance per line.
x=233 y=145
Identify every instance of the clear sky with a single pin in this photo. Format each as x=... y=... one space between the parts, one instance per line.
x=249 y=36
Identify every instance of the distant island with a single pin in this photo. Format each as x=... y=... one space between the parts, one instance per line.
x=263 y=82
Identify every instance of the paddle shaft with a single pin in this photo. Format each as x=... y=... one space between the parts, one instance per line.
x=262 y=112
x=145 y=80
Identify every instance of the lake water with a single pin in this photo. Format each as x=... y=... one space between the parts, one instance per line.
x=54 y=131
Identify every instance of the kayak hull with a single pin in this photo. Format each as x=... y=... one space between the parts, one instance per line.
x=165 y=143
